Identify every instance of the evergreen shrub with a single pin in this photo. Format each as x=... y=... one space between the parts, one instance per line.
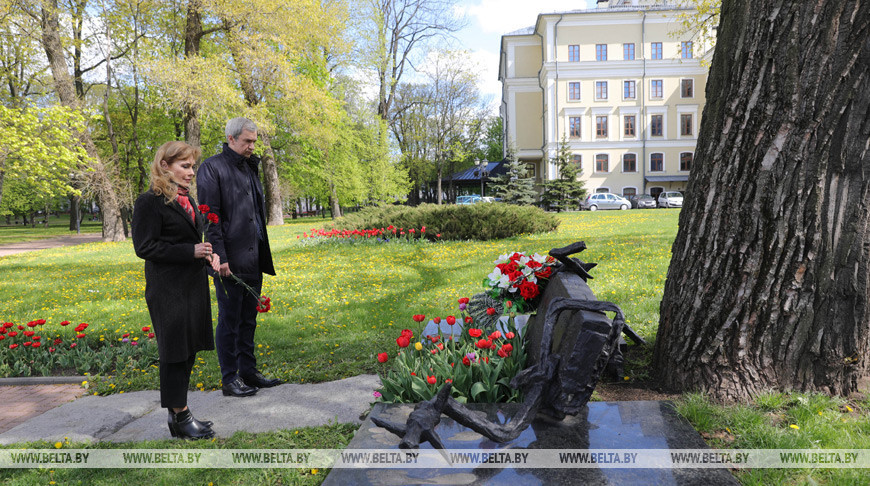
x=482 y=221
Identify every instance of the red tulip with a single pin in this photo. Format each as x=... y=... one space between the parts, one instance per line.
x=32 y=324
x=13 y=346
x=466 y=361
x=146 y=329
x=432 y=380
x=27 y=344
x=495 y=335
x=451 y=320
x=13 y=333
x=36 y=344
x=463 y=300
x=419 y=317
x=509 y=304
x=403 y=342
x=150 y=335
x=475 y=333
x=37 y=338
x=407 y=333
x=125 y=335
x=490 y=311
x=436 y=320
x=383 y=357
x=80 y=335
x=468 y=320
x=64 y=323
x=29 y=333
x=2 y=337
x=483 y=344
x=510 y=335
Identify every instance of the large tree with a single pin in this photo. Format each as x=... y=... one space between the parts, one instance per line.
x=768 y=285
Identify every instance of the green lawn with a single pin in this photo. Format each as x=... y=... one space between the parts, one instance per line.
x=335 y=306
x=57 y=226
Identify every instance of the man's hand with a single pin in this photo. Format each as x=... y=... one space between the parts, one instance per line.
x=215 y=262
x=202 y=250
x=224 y=270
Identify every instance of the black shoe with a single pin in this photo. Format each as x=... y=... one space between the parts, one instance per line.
x=259 y=381
x=184 y=426
x=236 y=388
x=206 y=424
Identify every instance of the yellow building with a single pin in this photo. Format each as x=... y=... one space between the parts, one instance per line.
x=615 y=83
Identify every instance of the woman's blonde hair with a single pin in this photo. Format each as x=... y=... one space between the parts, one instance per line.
x=161 y=181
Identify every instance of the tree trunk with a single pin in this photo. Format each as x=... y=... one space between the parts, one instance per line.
x=100 y=177
x=768 y=283
x=274 y=204
x=192 y=38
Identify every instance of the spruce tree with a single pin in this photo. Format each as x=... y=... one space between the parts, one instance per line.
x=566 y=191
x=515 y=186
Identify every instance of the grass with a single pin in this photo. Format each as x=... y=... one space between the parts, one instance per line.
x=57 y=226
x=336 y=305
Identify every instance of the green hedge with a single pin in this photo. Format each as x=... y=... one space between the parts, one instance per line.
x=483 y=221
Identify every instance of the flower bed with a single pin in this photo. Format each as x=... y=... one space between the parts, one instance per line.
x=376 y=235
x=36 y=349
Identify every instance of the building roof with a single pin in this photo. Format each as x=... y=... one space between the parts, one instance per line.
x=471 y=173
x=524 y=31
x=667 y=178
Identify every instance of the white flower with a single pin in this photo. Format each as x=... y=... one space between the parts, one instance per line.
x=504 y=282
x=539 y=258
x=495 y=276
x=525 y=260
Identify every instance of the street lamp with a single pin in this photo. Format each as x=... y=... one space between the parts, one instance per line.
x=481 y=170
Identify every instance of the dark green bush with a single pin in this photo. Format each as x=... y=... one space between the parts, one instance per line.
x=483 y=221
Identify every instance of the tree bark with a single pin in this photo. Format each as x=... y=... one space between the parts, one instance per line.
x=768 y=283
x=274 y=203
x=101 y=177
x=192 y=39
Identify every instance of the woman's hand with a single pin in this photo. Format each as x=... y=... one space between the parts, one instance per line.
x=215 y=261
x=202 y=250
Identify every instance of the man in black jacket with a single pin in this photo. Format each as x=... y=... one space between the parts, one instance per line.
x=229 y=184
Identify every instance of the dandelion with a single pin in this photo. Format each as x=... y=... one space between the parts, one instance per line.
x=796 y=427
x=58 y=445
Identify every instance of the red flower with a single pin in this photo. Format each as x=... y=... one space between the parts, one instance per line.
x=13 y=333
x=504 y=352
x=448 y=380
x=407 y=333
x=2 y=337
x=72 y=345
x=440 y=346
x=432 y=380
x=495 y=335
x=433 y=350
x=403 y=342
x=423 y=229
x=468 y=320
x=475 y=333
x=483 y=344
x=509 y=304
x=264 y=304
x=64 y=323
x=50 y=350
x=383 y=357
x=413 y=374
x=545 y=273
x=419 y=317
x=126 y=334
x=80 y=336
x=40 y=321
x=485 y=359
x=463 y=300
x=529 y=290
x=2 y=329
x=436 y=320
x=434 y=339
x=37 y=338
x=213 y=218
x=29 y=333
x=507 y=347
x=203 y=208
x=20 y=328
x=146 y=329
x=27 y=344
x=13 y=346
x=150 y=335
x=81 y=327
x=490 y=311
x=510 y=335
x=32 y=324
x=8 y=324
x=466 y=361
x=58 y=341
x=37 y=344
x=451 y=320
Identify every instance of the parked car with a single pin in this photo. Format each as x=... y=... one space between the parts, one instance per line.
x=473 y=199
x=670 y=200
x=643 y=201
x=605 y=200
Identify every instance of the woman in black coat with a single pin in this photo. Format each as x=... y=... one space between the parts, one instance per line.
x=167 y=234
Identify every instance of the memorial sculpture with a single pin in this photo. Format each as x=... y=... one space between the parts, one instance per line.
x=559 y=382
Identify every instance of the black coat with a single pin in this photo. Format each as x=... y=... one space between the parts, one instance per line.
x=176 y=283
x=223 y=183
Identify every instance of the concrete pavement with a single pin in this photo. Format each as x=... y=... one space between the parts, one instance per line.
x=138 y=416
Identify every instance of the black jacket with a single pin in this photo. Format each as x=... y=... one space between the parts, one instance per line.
x=223 y=183
x=176 y=284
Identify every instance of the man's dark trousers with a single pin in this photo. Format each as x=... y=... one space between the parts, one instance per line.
x=237 y=321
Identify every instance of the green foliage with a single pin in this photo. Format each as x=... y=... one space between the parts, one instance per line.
x=483 y=221
x=515 y=187
x=565 y=192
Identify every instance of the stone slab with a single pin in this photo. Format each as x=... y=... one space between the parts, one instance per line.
x=443 y=329
x=604 y=425
x=138 y=416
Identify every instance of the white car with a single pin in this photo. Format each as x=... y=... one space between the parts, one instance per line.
x=671 y=200
x=605 y=200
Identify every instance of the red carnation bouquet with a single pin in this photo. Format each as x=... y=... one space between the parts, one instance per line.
x=519 y=278
x=264 y=304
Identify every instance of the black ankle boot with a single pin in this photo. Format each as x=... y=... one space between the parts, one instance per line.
x=205 y=424
x=184 y=426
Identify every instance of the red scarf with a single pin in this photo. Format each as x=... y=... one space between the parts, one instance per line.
x=185 y=202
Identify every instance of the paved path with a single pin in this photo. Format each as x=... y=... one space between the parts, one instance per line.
x=24 y=246
x=138 y=416
x=22 y=403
